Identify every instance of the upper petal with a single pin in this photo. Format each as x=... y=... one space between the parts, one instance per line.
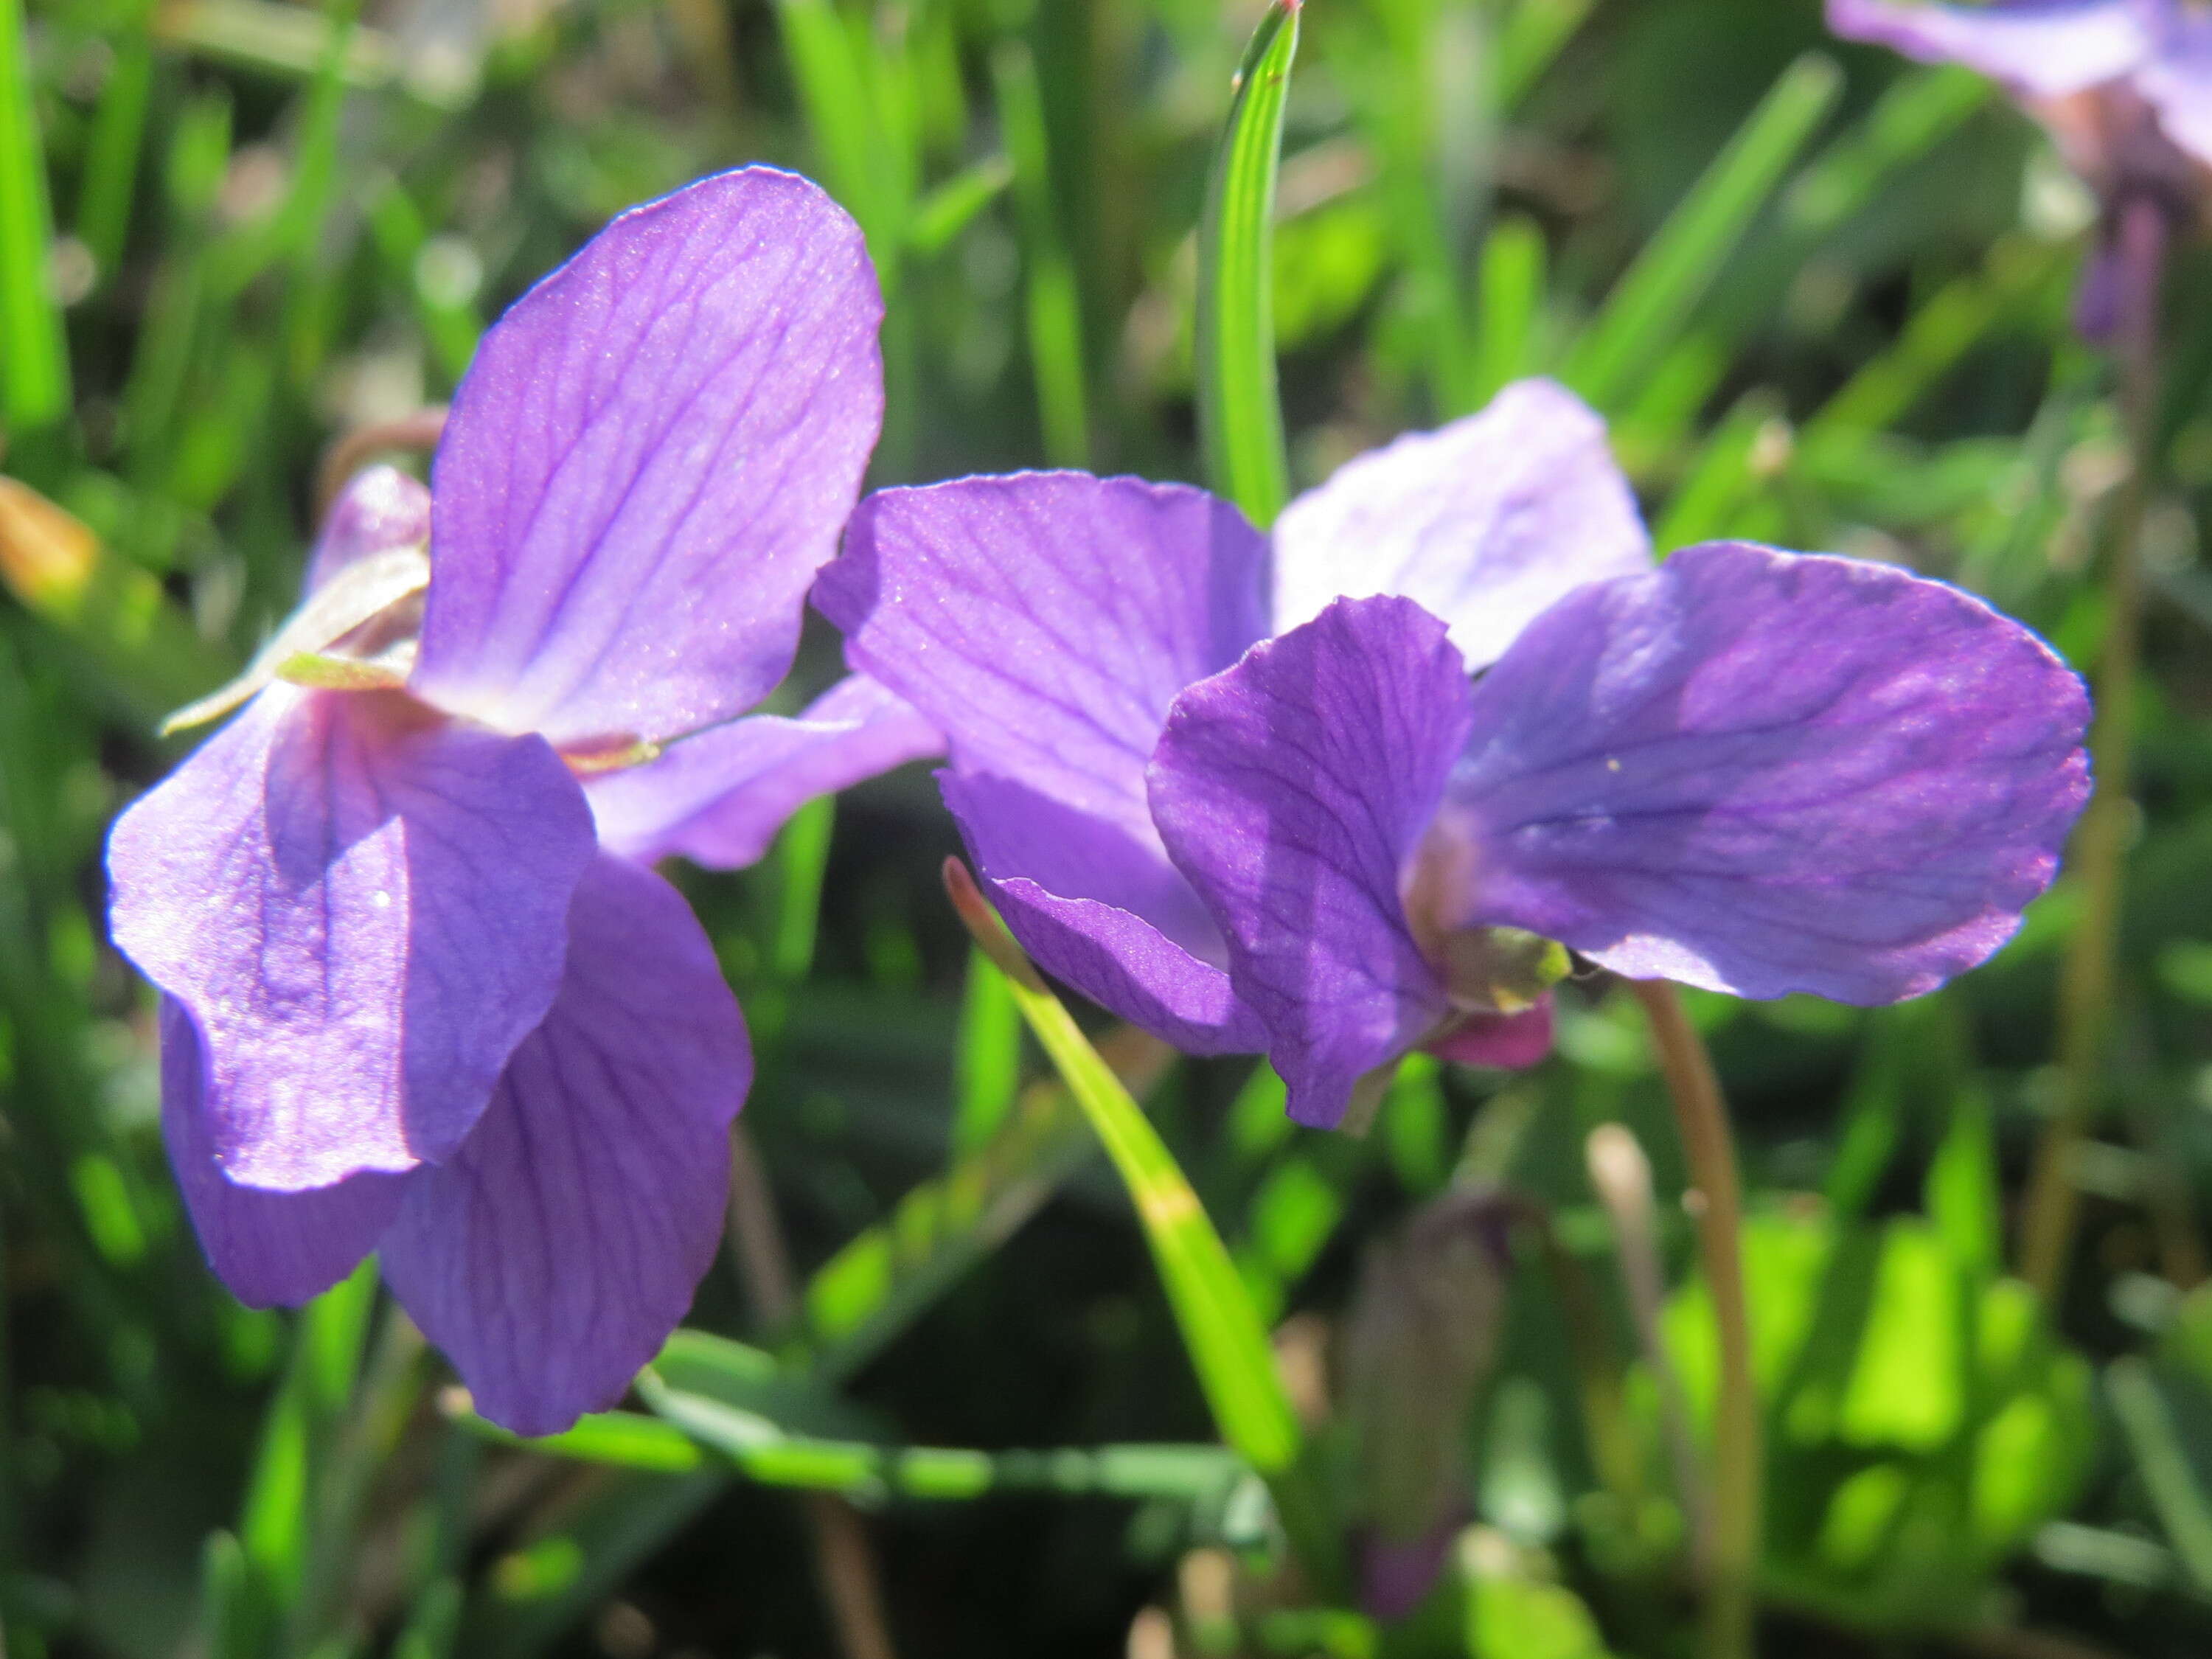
x=2176 y=80
x=719 y=797
x=1104 y=911
x=2036 y=48
x=1483 y=522
x=273 y=1250
x=380 y=508
x=1764 y=772
x=1045 y=621
x=553 y=1254
x=651 y=454
x=1293 y=790
x=364 y=908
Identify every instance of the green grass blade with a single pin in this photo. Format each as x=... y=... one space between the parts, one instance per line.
x=1727 y=470
x=1054 y=304
x=944 y=212
x=1240 y=415
x=113 y=151
x=1221 y=1329
x=1510 y=304
x=34 y=375
x=840 y=114
x=1652 y=302
x=1915 y=113
x=2162 y=1462
x=802 y=857
x=987 y=1060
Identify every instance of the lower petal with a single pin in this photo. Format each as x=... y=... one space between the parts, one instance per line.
x=1101 y=912
x=272 y=1249
x=551 y=1256
x=1292 y=790
x=1765 y=773
x=719 y=799
x=364 y=906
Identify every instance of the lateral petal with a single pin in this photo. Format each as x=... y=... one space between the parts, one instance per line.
x=1105 y=912
x=719 y=797
x=272 y=1249
x=364 y=908
x=1764 y=772
x=2036 y=48
x=1293 y=790
x=1484 y=522
x=551 y=1256
x=651 y=454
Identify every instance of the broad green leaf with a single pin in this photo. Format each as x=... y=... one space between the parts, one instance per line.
x=1240 y=418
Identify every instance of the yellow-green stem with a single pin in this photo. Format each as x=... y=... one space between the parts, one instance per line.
x=2090 y=978
x=1738 y=1465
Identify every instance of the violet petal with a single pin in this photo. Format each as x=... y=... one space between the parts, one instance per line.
x=2036 y=48
x=2176 y=80
x=719 y=799
x=1767 y=772
x=551 y=1257
x=1483 y=522
x=1105 y=912
x=1509 y=1042
x=1292 y=790
x=651 y=454
x=380 y=508
x=273 y=1250
x=364 y=908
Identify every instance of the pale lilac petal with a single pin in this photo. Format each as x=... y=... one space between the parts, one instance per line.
x=2176 y=80
x=364 y=908
x=1045 y=621
x=1105 y=912
x=1511 y=1042
x=720 y=798
x=380 y=508
x=649 y=458
x=552 y=1256
x=1293 y=790
x=1483 y=522
x=1766 y=773
x=2037 y=48
x=273 y=1250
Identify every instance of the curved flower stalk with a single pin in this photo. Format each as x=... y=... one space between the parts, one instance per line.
x=2125 y=88
x=1754 y=771
x=421 y=992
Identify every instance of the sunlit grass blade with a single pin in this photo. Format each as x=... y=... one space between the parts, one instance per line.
x=110 y=178
x=1737 y=455
x=833 y=88
x=1221 y=1329
x=34 y=375
x=1914 y=113
x=1509 y=305
x=1240 y=415
x=1054 y=304
x=940 y=215
x=1648 y=306
x=1941 y=333
x=987 y=1061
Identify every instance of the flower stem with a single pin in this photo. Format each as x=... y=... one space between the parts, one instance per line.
x=1716 y=1201
x=2090 y=977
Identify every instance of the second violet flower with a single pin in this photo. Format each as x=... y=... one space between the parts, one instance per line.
x=1749 y=770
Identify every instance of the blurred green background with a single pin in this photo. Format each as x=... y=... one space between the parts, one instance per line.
x=1821 y=295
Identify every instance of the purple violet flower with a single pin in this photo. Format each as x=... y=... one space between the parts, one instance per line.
x=421 y=992
x=2125 y=88
x=1749 y=770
